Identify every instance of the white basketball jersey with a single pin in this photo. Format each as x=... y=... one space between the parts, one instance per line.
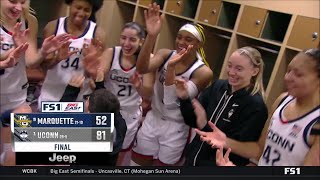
x=157 y=99
x=287 y=141
x=14 y=79
x=59 y=76
x=117 y=81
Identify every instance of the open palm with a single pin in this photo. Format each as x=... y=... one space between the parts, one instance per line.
x=53 y=43
x=153 y=19
x=216 y=138
x=19 y=36
x=14 y=56
x=178 y=57
x=64 y=53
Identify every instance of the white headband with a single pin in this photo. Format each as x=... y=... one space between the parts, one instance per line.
x=191 y=29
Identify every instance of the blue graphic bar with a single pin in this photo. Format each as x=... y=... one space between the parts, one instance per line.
x=50 y=120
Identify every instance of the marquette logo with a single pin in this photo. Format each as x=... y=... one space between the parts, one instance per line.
x=22 y=121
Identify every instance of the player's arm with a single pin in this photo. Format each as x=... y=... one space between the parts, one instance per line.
x=51 y=60
x=33 y=56
x=199 y=81
x=101 y=36
x=201 y=78
x=144 y=87
x=146 y=64
x=186 y=107
x=56 y=48
x=13 y=56
x=73 y=88
x=147 y=85
x=313 y=156
x=106 y=60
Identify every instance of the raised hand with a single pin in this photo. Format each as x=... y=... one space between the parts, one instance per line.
x=13 y=56
x=100 y=75
x=91 y=61
x=153 y=19
x=181 y=88
x=94 y=47
x=216 y=138
x=64 y=53
x=223 y=160
x=53 y=43
x=177 y=57
x=200 y=113
x=135 y=80
x=19 y=36
x=77 y=80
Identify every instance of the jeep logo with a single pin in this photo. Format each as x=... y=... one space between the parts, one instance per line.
x=65 y=158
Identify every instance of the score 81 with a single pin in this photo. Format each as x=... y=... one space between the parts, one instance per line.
x=101 y=135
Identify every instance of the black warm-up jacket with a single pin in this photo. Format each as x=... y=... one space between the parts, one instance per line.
x=239 y=115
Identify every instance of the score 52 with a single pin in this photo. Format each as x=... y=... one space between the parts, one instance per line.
x=101 y=120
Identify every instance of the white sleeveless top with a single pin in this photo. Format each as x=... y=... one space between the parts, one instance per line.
x=158 y=94
x=287 y=141
x=13 y=79
x=59 y=76
x=117 y=81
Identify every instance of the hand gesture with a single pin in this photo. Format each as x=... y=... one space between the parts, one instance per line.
x=94 y=47
x=19 y=36
x=14 y=56
x=99 y=78
x=200 y=113
x=177 y=57
x=153 y=19
x=64 y=53
x=135 y=80
x=91 y=61
x=216 y=138
x=181 y=88
x=223 y=160
x=77 y=80
x=100 y=75
x=53 y=43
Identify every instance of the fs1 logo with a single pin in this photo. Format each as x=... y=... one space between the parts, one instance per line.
x=57 y=107
x=292 y=170
x=51 y=107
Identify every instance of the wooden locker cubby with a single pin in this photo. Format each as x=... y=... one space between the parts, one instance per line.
x=305 y=33
x=228 y=14
x=276 y=26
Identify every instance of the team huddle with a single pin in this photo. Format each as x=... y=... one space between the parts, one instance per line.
x=229 y=117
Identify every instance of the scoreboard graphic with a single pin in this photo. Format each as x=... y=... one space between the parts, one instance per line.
x=59 y=137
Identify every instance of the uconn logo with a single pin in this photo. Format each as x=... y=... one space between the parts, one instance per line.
x=115 y=76
x=6 y=46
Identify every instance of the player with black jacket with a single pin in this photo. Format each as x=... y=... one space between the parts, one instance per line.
x=235 y=105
